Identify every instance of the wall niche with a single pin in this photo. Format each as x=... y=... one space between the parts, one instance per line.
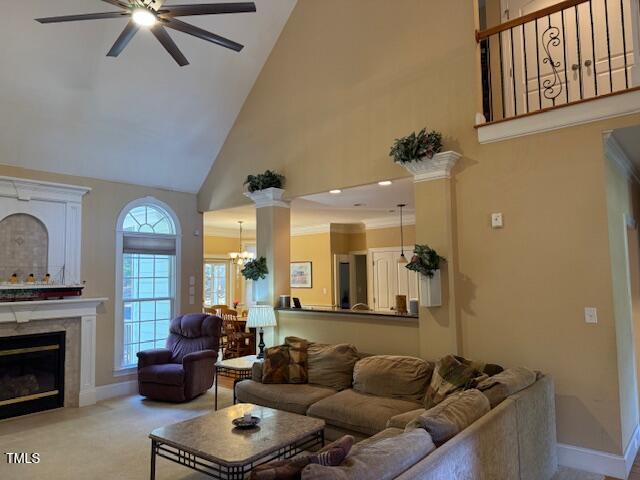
x=24 y=247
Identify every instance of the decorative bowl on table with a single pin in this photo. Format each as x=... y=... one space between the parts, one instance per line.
x=244 y=424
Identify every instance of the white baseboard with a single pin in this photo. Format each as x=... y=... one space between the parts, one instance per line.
x=87 y=397
x=116 y=390
x=602 y=463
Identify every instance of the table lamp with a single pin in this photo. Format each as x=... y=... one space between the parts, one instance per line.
x=261 y=316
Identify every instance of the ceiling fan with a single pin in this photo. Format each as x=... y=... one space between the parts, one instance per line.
x=153 y=15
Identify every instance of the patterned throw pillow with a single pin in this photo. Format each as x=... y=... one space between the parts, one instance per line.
x=450 y=375
x=275 y=368
x=298 y=359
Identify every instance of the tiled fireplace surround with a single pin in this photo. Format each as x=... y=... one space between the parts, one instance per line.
x=59 y=208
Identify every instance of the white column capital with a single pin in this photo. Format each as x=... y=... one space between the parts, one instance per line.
x=269 y=197
x=435 y=168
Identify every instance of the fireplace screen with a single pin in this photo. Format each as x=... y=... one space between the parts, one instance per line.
x=31 y=373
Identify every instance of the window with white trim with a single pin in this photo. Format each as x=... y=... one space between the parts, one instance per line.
x=216 y=282
x=147 y=279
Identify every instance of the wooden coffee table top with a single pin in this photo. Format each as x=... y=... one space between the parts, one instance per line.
x=214 y=438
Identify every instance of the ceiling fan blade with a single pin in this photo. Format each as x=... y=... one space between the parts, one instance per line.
x=207 y=9
x=202 y=34
x=87 y=16
x=170 y=46
x=123 y=40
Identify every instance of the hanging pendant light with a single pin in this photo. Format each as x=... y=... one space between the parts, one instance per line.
x=402 y=258
x=240 y=257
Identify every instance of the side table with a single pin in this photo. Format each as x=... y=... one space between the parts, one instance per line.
x=236 y=368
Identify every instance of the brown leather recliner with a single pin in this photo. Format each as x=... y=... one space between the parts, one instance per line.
x=186 y=368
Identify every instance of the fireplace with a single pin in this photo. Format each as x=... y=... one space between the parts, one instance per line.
x=31 y=373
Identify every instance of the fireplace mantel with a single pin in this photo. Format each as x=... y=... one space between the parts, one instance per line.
x=84 y=309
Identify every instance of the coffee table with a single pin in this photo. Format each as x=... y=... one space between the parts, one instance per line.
x=211 y=445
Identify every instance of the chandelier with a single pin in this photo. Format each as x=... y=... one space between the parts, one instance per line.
x=240 y=257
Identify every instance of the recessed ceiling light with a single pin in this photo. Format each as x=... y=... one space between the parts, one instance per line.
x=335 y=192
x=359 y=204
x=385 y=183
x=143 y=17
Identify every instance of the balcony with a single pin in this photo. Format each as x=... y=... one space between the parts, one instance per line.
x=572 y=62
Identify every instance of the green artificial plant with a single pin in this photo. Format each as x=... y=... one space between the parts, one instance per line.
x=415 y=147
x=255 y=269
x=262 y=181
x=425 y=260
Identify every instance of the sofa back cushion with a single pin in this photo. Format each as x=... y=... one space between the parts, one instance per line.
x=392 y=376
x=332 y=365
x=452 y=415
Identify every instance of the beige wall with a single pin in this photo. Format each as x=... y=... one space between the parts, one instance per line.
x=324 y=112
x=100 y=210
x=314 y=248
x=390 y=237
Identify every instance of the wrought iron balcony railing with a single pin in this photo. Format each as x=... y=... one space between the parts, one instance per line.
x=567 y=53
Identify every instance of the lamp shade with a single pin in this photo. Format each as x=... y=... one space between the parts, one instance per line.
x=261 y=316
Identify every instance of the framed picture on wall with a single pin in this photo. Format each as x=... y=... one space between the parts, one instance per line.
x=301 y=275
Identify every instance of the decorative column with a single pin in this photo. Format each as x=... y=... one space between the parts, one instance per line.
x=439 y=329
x=273 y=241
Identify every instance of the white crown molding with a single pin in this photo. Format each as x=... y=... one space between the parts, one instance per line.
x=26 y=190
x=348 y=227
x=435 y=168
x=269 y=197
x=310 y=230
x=616 y=153
x=378 y=223
x=598 y=109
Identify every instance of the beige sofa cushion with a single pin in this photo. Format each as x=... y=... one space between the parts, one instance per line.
x=294 y=398
x=514 y=379
x=332 y=365
x=392 y=376
x=383 y=457
x=359 y=412
x=452 y=415
x=402 y=420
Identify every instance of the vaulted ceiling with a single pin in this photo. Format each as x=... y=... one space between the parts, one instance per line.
x=139 y=118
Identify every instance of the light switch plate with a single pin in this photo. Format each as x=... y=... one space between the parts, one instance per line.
x=496 y=220
x=192 y=280
x=590 y=315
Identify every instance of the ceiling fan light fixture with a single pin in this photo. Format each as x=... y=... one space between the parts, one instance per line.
x=144 y=17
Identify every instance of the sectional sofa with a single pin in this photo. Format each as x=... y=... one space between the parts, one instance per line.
x=376 y=399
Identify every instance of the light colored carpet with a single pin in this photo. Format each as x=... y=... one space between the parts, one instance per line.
x=105 y=441
x=109 y=441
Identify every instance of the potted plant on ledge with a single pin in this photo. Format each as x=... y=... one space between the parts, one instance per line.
x=255 y=269
x=265 y=188
x=426 y=261
x=421 y=154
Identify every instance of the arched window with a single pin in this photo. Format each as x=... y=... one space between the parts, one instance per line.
x=147 y=287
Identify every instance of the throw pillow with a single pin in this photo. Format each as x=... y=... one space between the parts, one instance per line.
x=332 y=365
x=489 y=369
x=298 y=360
x=275 y=368
x=452 y=415
x=496 y=394
x=449 y=376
